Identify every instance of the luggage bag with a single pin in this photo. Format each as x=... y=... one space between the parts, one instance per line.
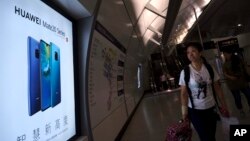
x=180 y=131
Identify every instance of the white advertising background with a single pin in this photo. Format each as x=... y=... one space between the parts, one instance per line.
x=103 y=85
x=16 y=124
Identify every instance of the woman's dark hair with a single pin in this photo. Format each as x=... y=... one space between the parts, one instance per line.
x=235 y=59
x=227 y=50
x=194 y=45
x=204 y=60
x=235 y=63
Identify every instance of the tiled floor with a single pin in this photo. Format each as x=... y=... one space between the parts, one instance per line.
x=157 y=111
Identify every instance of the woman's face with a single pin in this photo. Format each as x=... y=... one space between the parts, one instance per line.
x=193 y=54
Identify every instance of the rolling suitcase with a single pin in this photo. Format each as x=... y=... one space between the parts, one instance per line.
x=180 y=131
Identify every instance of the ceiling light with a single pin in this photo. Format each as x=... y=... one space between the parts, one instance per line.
x=129 y=24
x=205 y=2
x=182 y=30
x=156 y=42
x=134 y=36
x=239 y=25
x=119 y=2
x=151 y=28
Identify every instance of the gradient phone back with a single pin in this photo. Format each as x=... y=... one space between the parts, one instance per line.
x=34 y=98
x=45 y=73
x=55 y=75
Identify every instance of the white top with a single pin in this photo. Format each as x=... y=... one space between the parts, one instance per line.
x=200 y=86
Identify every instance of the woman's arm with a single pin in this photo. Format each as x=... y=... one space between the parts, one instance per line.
x=230 y=76
x=227 y=75
x=184 y=102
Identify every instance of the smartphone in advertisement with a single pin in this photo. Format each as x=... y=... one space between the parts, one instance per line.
x=45 y=74
x=34 y=98
x=55 y=75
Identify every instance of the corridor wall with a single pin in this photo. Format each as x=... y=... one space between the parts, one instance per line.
x=113 y=93
x=112 y=84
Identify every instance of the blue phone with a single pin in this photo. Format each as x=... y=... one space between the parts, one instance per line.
x=55 y=75
x=34 y=98
x=45 y=73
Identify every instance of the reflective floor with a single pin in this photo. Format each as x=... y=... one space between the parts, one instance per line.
x=157 y=111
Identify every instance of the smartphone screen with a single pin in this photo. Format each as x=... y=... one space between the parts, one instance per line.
x=45 y=74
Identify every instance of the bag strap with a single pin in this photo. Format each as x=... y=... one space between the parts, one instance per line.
x=186 y=78
x=211 y=73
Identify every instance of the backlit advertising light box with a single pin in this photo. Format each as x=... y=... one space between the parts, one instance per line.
x=37 y=77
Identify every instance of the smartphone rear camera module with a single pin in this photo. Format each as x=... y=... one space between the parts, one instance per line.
x=56 y=56
x=37 y=53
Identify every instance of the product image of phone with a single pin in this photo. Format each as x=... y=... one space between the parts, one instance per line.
x=34 y=99
x=55 y=75
x=45 y=74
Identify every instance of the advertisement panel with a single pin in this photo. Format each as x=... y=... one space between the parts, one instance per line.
x=37 y=79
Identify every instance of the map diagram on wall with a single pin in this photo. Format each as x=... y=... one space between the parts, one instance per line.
x=105 y=74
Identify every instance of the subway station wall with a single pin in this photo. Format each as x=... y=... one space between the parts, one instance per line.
x=112 y=84
x=112 y=60
x=113 y=64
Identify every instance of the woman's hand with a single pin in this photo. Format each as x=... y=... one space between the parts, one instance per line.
x=233 y=77
x=224 y=112
x=184 y=112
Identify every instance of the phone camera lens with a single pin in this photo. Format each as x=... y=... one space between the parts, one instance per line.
x=37 y=53
x=56 y=56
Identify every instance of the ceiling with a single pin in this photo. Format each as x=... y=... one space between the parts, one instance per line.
x=161 y=23
x=223 y=18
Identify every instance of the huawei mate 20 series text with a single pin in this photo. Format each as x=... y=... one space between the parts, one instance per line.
x=45 y=73
x=34 y=98
x=55 y=75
